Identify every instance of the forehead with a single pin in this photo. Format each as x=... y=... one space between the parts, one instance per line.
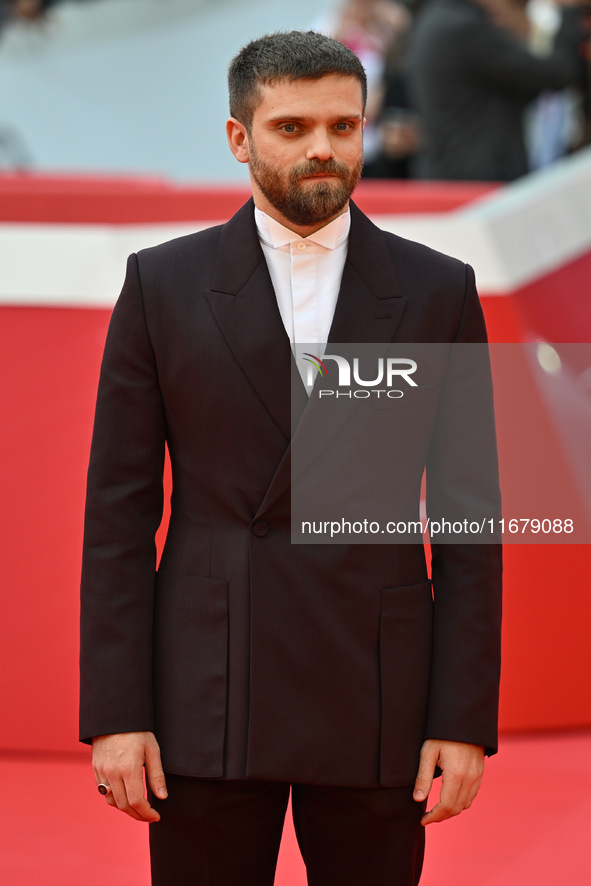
x=334 y=94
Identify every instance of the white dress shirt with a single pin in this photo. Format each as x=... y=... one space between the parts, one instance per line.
x=306 y=274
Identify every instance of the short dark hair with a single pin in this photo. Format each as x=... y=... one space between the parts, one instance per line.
x=286 y=55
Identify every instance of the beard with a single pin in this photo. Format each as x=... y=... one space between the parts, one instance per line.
x=309 y=204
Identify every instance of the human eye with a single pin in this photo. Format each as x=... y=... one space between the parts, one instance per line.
x=289 y=127
x=343 y=126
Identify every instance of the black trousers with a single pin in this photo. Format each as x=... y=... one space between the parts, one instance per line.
x=227 y=833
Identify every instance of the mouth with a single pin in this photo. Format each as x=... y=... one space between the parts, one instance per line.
x=319 y=176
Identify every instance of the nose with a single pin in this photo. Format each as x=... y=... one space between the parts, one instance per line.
x=320 y=146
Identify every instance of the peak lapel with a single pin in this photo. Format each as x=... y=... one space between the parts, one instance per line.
x=370 y=304
x=244 y=305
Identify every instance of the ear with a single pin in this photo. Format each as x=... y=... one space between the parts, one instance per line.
x=238 y=139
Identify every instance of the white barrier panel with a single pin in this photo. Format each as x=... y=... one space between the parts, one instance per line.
x=511 y=237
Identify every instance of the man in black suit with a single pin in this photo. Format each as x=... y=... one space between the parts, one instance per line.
x=471 y=81
x=249 y=664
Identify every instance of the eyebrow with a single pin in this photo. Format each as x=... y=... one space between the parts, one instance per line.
x=296 y=118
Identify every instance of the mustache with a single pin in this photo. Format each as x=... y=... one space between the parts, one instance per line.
x=314 y=167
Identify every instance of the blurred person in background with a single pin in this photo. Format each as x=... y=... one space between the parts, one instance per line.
x=397 y=124
x=558 y=121
x=14 y=152
x=472 y=75
x=371 y=28
x=29 y=10
x=399 y=132
x=26 y=10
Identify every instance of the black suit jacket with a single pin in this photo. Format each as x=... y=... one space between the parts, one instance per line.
x=471 y=82
x=249 y=656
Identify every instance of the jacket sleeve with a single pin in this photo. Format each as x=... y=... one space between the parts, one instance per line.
x=123 y=511
x=462 y=481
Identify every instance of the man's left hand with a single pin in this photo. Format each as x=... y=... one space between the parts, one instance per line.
x=462 y=767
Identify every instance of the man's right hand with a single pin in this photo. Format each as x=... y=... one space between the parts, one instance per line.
x=119 y=760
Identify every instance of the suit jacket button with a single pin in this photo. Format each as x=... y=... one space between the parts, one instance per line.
x=260 y=528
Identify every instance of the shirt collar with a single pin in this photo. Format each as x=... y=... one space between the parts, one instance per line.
x=276 y=235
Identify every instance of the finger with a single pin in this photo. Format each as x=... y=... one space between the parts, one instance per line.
x=108 y=798
x=139 y=806
x=467 y=794
x=470 y=781
x=443 y=811
x=127 y=790
x=154 y=771
x=457 y=795
x=118 y=795
x=136 y=807
x=426 y=771
x=440 y=812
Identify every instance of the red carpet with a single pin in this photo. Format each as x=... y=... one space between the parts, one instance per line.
x=529 y=827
